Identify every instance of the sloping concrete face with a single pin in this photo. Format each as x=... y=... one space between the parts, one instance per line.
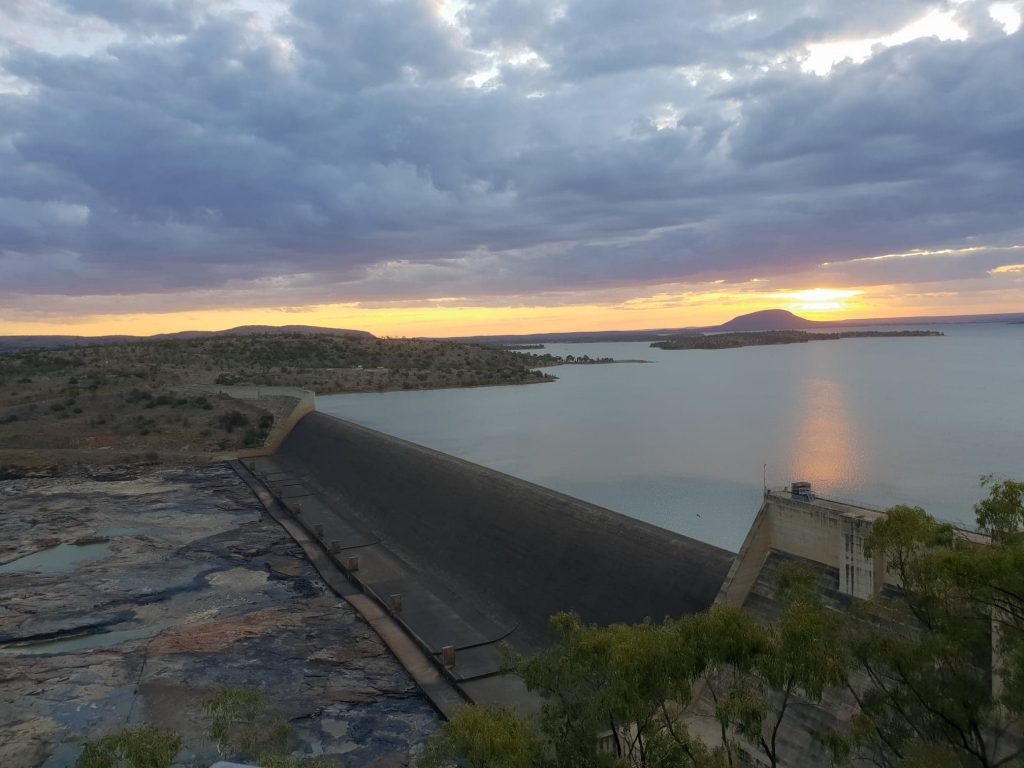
x=511 y=550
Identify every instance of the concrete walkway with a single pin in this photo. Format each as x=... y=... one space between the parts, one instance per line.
x=443 y=695
x=462 y=646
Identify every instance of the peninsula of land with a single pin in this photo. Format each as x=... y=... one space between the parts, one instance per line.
x=768 y=338
x=156 y=399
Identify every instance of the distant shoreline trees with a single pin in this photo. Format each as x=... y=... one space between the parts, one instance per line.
x=769 y=338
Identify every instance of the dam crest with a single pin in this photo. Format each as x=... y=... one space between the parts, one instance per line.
x=468 y=559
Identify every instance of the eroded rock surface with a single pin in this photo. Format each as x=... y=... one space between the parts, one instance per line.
x=191 y=590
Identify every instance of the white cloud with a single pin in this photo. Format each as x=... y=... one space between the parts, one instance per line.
x=1008 y=15
x=822 y=57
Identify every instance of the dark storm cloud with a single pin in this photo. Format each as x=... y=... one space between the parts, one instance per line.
x=614 y=145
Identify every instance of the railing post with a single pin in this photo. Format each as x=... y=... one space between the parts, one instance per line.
x=448 y=655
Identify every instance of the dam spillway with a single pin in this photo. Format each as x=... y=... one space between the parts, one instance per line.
x=478 y=556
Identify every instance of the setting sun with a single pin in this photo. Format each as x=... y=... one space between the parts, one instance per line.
x=818 y=300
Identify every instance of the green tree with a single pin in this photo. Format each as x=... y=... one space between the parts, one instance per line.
x=608 y=702
x=617 y=696
x=613 y=695
x=483 y=737
x=1001 y=513
x=940 y=666
x=756 y=672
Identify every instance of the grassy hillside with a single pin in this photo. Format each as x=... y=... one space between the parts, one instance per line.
x=135 y=396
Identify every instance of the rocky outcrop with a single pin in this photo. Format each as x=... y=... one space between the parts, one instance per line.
x=196 y=591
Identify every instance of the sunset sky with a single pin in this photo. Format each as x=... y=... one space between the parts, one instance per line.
x=448 y=167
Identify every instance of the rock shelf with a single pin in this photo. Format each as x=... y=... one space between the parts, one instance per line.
x=197 y=590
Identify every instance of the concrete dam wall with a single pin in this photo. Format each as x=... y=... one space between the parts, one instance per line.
x=477 y=555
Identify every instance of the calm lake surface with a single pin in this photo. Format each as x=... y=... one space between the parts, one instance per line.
x=681 y=443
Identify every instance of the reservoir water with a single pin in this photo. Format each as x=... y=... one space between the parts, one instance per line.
x=682 y=442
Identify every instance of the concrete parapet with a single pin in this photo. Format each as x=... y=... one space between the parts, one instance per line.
x=441 y=692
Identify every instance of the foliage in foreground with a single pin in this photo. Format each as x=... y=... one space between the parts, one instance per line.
x=936 y=672
x=947 y=687
x=144 y=747
x=629 y=682
x=241 y=725
x=485 y=738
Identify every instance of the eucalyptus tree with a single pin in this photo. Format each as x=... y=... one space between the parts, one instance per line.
x=621 y=695
x=756 y=672
x=940 y=664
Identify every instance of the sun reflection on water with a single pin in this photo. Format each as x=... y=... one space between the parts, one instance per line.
x=825 y=450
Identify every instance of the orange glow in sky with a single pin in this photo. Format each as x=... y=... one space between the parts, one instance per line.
x=713 y=305
x=819 y=303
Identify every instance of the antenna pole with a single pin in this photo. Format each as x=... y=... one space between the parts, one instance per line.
x=764 y=486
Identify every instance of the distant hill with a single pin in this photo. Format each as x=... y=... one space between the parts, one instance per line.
x=768 y=320
x=569 y=337
x=253 y=330
x=765 y=320
x=14 y=343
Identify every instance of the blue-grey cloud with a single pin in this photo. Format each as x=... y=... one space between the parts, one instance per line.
x=168 y=16
x=202 y=146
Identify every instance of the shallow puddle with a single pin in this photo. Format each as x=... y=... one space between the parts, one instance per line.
x=88 y=642
x=60 y=559
x=116 y=532
x=83 y=642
